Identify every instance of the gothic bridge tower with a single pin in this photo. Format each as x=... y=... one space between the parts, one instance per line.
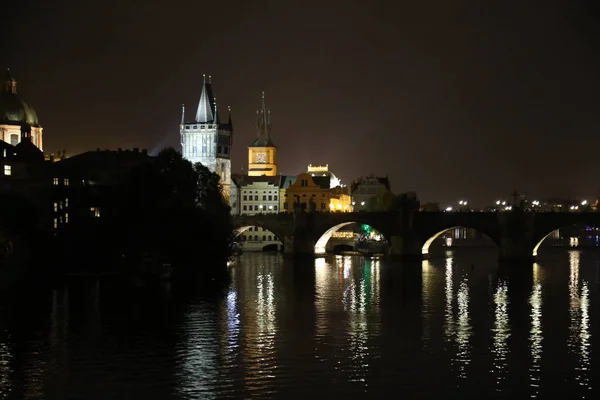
x=206 y=139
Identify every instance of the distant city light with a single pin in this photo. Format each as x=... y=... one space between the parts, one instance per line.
x=583 y=203
x=448 y=208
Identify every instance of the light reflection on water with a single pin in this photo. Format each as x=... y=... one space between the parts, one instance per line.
x=579 y=327
x=500 y=333
x=343 y=327
x=536 y=333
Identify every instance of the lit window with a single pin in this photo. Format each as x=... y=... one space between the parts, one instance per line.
x=7 y=170
x=67 y=202
x=66 y=218
x=95 y=211
x=55 y=181
x=4 y=153
x=66 y=181
x=60 y=205
x=55 y=223
x=55 y=207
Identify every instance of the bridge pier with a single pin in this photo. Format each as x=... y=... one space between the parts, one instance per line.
x=298 y=246
x=405 y=248
x=515 y=251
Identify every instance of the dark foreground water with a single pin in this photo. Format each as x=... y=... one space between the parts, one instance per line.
x=343 y=327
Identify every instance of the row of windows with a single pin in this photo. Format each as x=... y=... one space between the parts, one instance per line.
x=65 y=181
x=209 y=126
x=255 y=238
x=7 y=170
x=257 y=207
x=257 y=229
x=60 y=205
x=265 y=198
x=256 y=191
x=61 y=220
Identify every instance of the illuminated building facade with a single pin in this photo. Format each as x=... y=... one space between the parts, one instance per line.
x=206 y=139
x=307 y=195
x=262 y=153
x=259 y=195
x=286 y=182
x=15 y=114
x=340 y=199
x=365 y=188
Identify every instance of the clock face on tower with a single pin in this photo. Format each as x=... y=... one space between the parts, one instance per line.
x=261 y=158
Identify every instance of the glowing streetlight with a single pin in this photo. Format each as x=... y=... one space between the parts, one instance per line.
x=448 y=208
x=583 y=203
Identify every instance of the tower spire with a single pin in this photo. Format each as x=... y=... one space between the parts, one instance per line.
x=204 y=113
x=263 y=125
x=182 y=114
x=10 y=84
x=230 y=122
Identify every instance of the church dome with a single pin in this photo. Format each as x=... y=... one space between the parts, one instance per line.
x=14 y=110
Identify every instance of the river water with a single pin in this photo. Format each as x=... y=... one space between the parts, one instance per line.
x=456 y=326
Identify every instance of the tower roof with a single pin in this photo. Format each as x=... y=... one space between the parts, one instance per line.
x=263 y=126
x=205 y=111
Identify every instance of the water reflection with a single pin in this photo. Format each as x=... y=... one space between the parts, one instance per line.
x=427 y=297
x=6 y=357
x=463 y=354
x=198 y=366
x=449 y=312
x=501 y=333
x=535 y=333
x=350 y=285
x=579 y=328
x=458 y=326
x=233 y=317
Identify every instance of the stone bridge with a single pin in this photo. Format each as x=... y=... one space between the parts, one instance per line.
x=518 y=234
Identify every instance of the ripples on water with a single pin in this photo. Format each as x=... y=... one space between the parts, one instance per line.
x=341 y=327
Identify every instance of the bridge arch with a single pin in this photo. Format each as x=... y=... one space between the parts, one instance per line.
x=320 y=245
x=431 y=239
x=591 y=229
x=267 y=235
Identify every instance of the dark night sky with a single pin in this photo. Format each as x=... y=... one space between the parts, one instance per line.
x=452 y=99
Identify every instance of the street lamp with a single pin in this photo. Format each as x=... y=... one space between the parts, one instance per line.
x=448 y=208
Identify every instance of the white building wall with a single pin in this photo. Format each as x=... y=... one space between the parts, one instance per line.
x=259 y=198
x=11 y=134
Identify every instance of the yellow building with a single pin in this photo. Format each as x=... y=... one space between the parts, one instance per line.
x=262 y=153
x=340 y=199
x=312 y=194
x=307 y=195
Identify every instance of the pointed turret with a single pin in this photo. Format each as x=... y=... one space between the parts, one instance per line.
x=217 y=119
x=205 y=113
x=182 y=114
x=229 y=121
x=263 y=126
